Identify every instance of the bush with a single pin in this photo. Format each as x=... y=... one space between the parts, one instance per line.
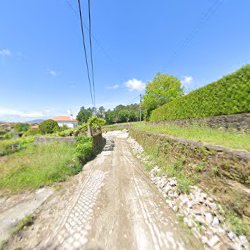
x=22 y=127
x=49 y=127
x=32 y=132
x=84 y=149
x=11 y=146
x=68 y=132
x=96 y=123
x=229 y=95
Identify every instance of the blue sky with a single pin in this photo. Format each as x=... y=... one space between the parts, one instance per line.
x=42 y=70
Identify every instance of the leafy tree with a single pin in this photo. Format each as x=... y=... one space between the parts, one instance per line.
x=48 y=127
x=96 y=122
x=84 y=114
x=163 y=89
x=101 y=112
x=22 y=127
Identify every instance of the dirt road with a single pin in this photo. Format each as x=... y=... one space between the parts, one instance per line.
x=111 y=205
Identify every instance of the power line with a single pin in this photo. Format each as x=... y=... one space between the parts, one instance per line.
x=85 y=50
x=91 y=49
x=97 y=42
x=205 y=17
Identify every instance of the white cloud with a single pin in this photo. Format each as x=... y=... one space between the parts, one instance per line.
x=115 y=86
x=53 y=72
x=187 y=80
x=135 y=84
x=5 y=52
x=6 y=112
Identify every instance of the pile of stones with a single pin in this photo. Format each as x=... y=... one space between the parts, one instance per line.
x=198 y=210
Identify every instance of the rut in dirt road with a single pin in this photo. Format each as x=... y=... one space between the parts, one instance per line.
x=114 y=206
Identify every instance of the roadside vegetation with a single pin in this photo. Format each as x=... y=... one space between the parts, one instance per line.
x=226 y=139
x=229 y=95
x=26 y=166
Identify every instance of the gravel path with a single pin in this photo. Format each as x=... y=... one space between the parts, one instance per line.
x=112 y=204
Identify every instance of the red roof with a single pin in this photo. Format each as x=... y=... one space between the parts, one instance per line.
x=64 y=119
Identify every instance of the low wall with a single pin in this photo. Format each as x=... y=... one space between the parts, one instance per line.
x=237 y=122
x=44 y=139
x=98 y=140
x=225 y=173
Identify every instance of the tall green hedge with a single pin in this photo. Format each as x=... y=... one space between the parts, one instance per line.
x=229 y=95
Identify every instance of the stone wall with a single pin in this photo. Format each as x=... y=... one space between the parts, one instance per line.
x=44 y=139
x=223 y=173
x=98 y=140
x=237 y=122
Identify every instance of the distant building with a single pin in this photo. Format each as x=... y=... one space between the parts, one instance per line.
x=69 y=121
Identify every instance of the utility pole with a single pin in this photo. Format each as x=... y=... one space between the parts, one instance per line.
x=140 y=108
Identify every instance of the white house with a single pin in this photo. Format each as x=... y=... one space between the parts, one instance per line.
x=69 y=121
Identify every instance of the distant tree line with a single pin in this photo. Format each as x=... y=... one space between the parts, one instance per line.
x=121 y=113
x=161 y=90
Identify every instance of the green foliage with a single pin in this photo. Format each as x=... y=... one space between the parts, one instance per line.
x=84 y=114
x=11 y=146
x=32 y=132
x=38 y=165
x=84 y=149
x=28 y=220
x=101 y=112
x=236 y=223
x=49 y=127
x=209 y=135
x=96 y=123
x=163 y=89
x=81 y=130
x=64 y=133
x=229 y=95
x=121 y=113
x=22 y=127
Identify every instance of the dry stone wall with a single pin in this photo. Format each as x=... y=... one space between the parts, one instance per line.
x=237 y=122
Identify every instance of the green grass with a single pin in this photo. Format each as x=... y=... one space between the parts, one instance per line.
x=36 y=166
x=226 y=139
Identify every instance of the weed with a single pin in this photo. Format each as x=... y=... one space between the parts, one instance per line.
x=198 y=167
x=25 y=222
x=236 y=223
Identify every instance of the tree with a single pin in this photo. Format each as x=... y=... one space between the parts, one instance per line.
x=164 y=88
x=48 y=127
x=84 y=114
x=22 y=127
x=101 y=112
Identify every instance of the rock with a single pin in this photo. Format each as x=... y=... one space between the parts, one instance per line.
x=172 y=182
x=200 y=219
x=208 y=218
x=195 y=232
x=188 y=221
x=213 y=241
x=215 y=222
x=231 y=235
x=244 y=241
x=204 y=239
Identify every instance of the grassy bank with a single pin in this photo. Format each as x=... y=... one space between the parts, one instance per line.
x=36 y=166
x=232 y=140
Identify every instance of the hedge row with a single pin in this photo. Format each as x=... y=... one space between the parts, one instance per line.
x=229 y=95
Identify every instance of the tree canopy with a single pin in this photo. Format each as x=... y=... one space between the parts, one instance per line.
x=163 y=89
x=48 y=127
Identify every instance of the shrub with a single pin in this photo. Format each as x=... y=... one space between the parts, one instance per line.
x=32 y=132
x=68 y=132
x=229 y=95
x=49 y=127
x=96 y=122
x=22 y=127
x=11 y=146
x=81 y=130
x=84 y=149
